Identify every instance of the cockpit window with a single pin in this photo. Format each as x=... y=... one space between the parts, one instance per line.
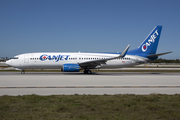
x=15 y=58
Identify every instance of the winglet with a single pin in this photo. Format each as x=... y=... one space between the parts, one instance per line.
x=124 y=52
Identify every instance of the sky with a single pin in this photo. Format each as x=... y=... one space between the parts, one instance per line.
x=87 y=25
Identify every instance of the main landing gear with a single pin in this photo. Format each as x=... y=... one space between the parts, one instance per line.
x=87 y=71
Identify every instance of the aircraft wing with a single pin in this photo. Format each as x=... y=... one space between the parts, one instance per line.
x=156 y=55
x=94 y=63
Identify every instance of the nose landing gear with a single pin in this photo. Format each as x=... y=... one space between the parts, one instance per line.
x=22 y=72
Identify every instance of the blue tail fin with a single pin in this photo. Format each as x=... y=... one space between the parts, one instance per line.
x=149 y=45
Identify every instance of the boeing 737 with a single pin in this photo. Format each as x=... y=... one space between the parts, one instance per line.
x=74 y=62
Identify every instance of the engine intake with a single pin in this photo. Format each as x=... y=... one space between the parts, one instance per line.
x=71 y=68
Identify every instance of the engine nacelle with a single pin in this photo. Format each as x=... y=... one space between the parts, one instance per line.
x=71 y=68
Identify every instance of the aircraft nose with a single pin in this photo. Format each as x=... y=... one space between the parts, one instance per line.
x=8 y=62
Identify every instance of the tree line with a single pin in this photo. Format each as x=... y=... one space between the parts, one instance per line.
x=160 y=60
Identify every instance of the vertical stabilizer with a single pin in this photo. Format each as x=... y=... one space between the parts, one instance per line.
x=150 y=44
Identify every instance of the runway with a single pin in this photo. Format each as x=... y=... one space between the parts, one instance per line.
x=54 y=83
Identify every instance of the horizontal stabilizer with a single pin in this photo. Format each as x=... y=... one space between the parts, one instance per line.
x=156 y=55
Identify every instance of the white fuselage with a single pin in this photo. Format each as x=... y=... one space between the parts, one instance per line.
x=73 y=62
x=56 y=60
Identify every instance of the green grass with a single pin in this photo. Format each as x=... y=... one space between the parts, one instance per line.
x=90 y=107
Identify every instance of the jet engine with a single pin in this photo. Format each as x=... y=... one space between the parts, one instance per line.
x=71 y=68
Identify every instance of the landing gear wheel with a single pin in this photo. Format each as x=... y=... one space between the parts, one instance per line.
x=87 y=71
x=22 y=72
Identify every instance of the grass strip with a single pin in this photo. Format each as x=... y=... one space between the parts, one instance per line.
x=88 y=107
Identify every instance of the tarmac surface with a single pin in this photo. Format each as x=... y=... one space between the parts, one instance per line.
x=58 y=83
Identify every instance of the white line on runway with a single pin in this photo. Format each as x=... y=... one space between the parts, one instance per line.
x=96 y=87
x=13 y=83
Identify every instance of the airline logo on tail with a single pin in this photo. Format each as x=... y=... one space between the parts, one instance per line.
x=151 y=40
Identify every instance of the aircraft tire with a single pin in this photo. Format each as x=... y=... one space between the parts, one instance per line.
x=22 y=72
x=87 y=72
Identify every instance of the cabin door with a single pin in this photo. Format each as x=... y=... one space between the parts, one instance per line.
x=26 y=59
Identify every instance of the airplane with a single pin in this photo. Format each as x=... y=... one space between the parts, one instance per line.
x=76 y=61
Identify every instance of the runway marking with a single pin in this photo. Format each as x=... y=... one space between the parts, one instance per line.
x=93 y=87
